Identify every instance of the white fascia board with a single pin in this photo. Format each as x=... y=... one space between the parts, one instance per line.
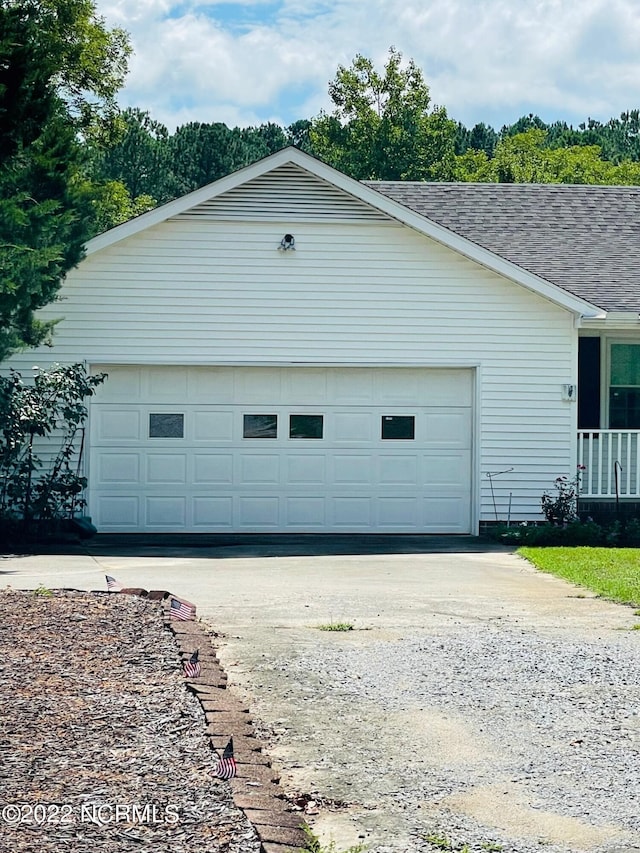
x=613 y=320
x=366 y=194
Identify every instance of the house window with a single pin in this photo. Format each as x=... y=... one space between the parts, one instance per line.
x=398 y=427
x=166 y=425
x=624 y=387
x=306 y=426
x=260 y=426
x=589 y=383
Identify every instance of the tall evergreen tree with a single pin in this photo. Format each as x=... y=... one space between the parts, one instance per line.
x=60 y=69
x=139 y=158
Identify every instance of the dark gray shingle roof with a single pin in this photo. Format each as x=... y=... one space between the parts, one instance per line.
x=586 y=239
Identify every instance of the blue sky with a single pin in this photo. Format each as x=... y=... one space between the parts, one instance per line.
x=244 y=62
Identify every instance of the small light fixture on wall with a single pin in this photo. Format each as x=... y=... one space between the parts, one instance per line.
x=287 y=242
x=569 y=393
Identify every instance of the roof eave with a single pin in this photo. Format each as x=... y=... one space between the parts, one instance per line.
x=614 y=320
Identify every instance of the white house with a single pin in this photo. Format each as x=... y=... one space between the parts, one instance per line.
x=291 y=350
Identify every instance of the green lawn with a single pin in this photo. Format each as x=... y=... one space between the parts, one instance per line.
x=613 y=573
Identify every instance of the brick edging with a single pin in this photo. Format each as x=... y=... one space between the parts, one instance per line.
x=255 y=789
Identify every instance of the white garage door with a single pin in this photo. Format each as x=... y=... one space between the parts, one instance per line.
x=199 y=449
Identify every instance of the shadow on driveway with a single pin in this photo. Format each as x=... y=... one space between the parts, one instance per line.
x=281 y=545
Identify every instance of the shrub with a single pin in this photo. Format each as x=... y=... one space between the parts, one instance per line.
x=576 y=532
x=561 y=507
x=34 y=494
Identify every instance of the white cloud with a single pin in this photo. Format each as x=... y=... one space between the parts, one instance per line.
x=248 y=62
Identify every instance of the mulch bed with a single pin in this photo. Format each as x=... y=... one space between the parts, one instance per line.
x=104 y=747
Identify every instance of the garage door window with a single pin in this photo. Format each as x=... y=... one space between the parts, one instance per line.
x=398 y=427
x=166 y=425
x=306 y=426
x=260 y=426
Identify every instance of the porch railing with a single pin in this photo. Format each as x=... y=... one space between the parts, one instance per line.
x=609 y=455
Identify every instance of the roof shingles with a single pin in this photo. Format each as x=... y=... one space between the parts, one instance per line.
x=585 y=239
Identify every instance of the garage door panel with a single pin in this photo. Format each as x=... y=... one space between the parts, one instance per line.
x=353 y=469
x=447 y=429
x=305 y=386
x=398 y=512
x=352 y=386
x=164 y=510
x=118 y=425
x=117 y=468
x=447 y=388
x=215 y=426
x=157 y=388
x=306 y=512
x=211 y=385
x=305 y=470
x=250 y=386
x=353 y=512
x=166 y=468
x=119 y=512
x=389 y=391
x=124 y=383
x=396 y=470
x=259 y=511
x=445 y=516
x=213 y=468
x=205 y=475
x=353 y=427
x=259 y=469
x=441 y=470
x=211 y=512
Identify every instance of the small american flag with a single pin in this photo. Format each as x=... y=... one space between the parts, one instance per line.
x=180 y=610
x=192 y=667
x=226 y=766
x=112 y=584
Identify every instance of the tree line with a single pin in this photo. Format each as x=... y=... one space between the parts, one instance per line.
x=72 y=164
x=382 y=127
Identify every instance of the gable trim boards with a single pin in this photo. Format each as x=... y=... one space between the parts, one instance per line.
x=250 y=449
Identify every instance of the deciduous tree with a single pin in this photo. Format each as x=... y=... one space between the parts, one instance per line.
x=383 y=126
x=526 y=158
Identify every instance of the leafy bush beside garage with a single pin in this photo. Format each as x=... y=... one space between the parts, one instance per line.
x=41 y=442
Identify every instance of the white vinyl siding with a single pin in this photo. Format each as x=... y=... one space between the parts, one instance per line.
x=218 y=292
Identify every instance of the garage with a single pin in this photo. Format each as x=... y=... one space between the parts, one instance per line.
x=281 y=449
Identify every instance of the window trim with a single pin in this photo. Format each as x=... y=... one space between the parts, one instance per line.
x=407 y=417
x=261 y=437
x=605 y=376
x=166 y=437
x=307 y=437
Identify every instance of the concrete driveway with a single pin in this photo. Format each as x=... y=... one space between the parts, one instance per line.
x=452 y=710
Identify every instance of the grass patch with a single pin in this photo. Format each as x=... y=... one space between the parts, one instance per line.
x=612 y=573
x=335 y=626
x=441 y=842
x=313 y=845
